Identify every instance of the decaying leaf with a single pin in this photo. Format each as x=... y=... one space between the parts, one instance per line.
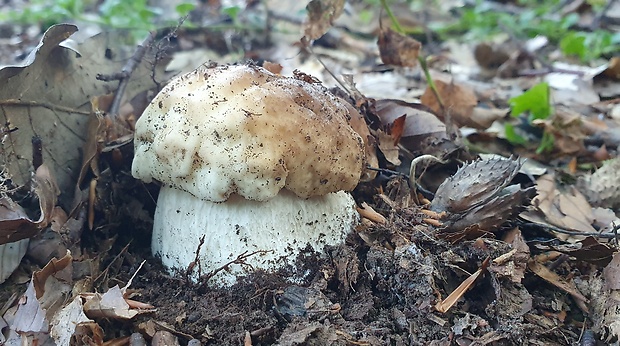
x=588 y=250
x=514 y=263
x=65 y=323
x=557 y=281
x=604 y=302
x=397 y=49
x=445 y=305
x=370 y=143
x=43 y=299
x=111 y=304
x=48 y=96
x=15 y=224
x=458 y=103
x=321 y=16
x=387 y=147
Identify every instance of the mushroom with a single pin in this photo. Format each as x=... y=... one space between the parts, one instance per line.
x=254 y=162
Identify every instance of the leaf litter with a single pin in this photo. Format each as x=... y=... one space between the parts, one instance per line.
x=450 y=250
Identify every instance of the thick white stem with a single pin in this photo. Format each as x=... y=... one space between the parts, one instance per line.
x=283 y=226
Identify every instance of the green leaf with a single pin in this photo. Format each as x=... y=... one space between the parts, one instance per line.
x=574 y=43
x=546 y=143
x=535 y=101
x=512 y=136
x=232 y=12
x=184 y=8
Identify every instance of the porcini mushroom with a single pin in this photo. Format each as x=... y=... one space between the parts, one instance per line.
x=250 y=160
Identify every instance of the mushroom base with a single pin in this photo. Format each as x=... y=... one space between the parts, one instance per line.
x=278 y=229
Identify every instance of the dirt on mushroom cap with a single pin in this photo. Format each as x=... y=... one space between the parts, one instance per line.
x=241 y=129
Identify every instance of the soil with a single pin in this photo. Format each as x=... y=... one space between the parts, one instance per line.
x=360 y=294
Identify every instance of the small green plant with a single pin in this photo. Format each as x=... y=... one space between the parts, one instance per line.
x=537 y=104
x=136 y=16
x=590 y=45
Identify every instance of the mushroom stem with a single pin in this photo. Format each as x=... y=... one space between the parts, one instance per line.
x=283 y=226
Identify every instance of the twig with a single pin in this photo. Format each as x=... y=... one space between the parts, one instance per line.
x=239 y=260
x=309 y=48
x=107 y=269
x=51 y=106
x=596 y=22
x=125 y=74
x=564 y=231
x=191 y=266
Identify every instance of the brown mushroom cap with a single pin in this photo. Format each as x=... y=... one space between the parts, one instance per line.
x=242 y=129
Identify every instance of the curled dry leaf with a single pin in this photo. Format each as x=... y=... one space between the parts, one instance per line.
x=321 y=16
x=42 y=300
x=419 y=124
x=15 y=224
x=397 y=49
x=112 y=304
x=478 y=196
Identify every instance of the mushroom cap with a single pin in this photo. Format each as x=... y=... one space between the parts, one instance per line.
x=242 y=129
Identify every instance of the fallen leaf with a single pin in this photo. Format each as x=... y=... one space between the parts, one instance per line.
x=557 y=281
x=568 y=209
x=321 y=17
x=397 y=49
x=66 y=321
x=458 y=103
x=445 y=304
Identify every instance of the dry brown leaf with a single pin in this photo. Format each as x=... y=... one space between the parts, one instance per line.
x=568 y=210
x=566 y=127
x=111 y=304
x=397 y=49
x=490 y=56
x=48 y=96
x=272 y=67
x=15 y=224
x=557 y=281
x=513 y=264
x=613 y=69
x=43 y=299
x=588 y=250
x=397 y=128
x=458 y=102
x=387 y=147
x=445 y=304
x=611 y=273
x=53 y=268
x=422 y=130
x=321 y=16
